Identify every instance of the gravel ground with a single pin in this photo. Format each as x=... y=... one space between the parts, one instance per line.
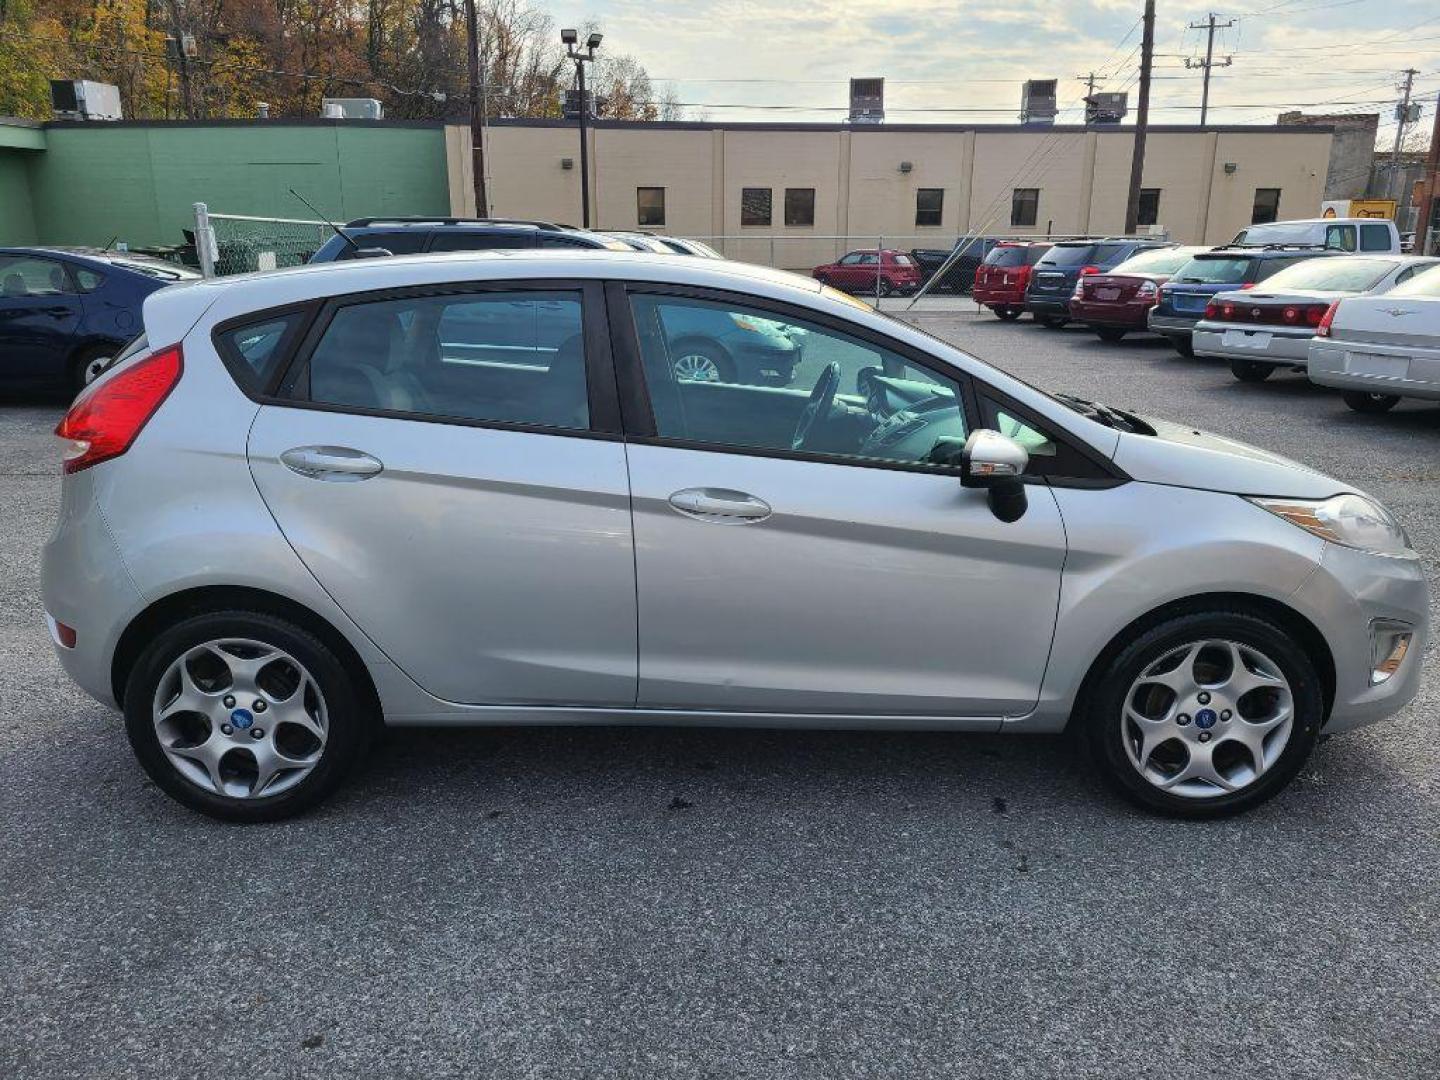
x=619 y=903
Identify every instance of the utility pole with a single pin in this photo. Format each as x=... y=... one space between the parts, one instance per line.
x=581 y=57
x=1089 y=80
x=477 y=111
x=1429 y=190
x=1142 y=119
x=1209 y=26
x=1402 y=116
x=183 y=44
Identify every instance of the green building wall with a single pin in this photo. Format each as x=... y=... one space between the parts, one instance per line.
x=138 y=182
x=17 y=214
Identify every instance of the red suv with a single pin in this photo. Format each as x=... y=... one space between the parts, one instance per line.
x=1001 y=279
x=857 y=272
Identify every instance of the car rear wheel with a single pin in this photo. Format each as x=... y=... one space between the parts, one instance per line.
x=89 y=365
x=1205 y=715
x=244 y=716
x=1251 y=371
x=1007 y=314
x=1370 y=403
x=1110 y=333
x=1183 y=347
x=1051 y=322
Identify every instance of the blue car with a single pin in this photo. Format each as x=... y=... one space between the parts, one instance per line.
x=66 y=312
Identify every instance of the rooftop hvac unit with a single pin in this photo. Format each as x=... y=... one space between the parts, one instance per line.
x=867 y=101
x=1037 y=102
x=351 y=108
x=81 y=99
x=570 y=110
x=1106 y=108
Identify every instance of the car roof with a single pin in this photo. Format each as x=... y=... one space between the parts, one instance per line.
x=108 y=256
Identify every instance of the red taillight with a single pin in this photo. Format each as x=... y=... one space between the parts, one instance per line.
x=105 y=419
x=1314 y=313
x=1322 y=329
x=1248 y=285
x=1089 y=270
x=1212 y=309
x=1227 y=311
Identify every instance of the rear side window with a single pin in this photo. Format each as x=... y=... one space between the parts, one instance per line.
x=1068 y=255
x=480 y=241
x=1104 y=253
x=397 y=243
x=255 y=351
x=1374 y=237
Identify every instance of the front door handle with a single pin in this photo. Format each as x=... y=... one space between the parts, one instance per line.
x=720 y=505
x=335 y=463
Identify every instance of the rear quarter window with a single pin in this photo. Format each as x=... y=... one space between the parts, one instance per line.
x=256 y=350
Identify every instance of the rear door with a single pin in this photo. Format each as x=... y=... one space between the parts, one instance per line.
x=448 y=464
x=847 y=576
x=40 y=311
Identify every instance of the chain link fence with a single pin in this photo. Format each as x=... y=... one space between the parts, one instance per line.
x=238 y=244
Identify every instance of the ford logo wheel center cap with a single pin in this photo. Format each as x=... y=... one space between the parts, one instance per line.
x=242 y=719
x=1204 y=719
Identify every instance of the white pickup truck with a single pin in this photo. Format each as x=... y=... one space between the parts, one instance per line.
x=1368 y=236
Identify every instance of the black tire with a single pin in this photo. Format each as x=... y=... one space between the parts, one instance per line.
x=1104 y=734
x=351 y=724
x=1251 y=371
x=885 y=288
x=1007 y=314
x=86 y=365
x=1183 y=347
x=1051 y=322
x=1111 y=334
x=1362 y=402
x=712 y=352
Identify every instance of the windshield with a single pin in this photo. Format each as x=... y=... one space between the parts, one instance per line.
x=1212 y=270
x=1164 y=261
x=1426 y=283
x=1335 y=275
x=1278 y=233
x=1068 y=255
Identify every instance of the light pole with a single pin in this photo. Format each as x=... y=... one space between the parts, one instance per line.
x=581 y=57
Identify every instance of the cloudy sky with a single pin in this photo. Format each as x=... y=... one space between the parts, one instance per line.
x=959 y=61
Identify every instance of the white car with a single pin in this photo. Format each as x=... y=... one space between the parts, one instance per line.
x=1368 y=236
x=1262 y=329
x=1380 y=349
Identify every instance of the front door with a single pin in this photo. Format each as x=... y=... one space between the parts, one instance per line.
x=40 y=310
x=451 y=477
x=795 y=553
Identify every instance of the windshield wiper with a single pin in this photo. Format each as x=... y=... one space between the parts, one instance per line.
x=1104 y=414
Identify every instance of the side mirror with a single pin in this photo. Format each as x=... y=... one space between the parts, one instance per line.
x=996 y=463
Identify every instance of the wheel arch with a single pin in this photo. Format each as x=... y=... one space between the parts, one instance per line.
x=1305 y=632
x=171 y=609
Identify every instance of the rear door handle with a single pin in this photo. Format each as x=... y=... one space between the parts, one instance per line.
x=339 y=464
x=720 y=505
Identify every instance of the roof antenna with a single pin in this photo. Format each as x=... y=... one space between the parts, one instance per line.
x=360 y=253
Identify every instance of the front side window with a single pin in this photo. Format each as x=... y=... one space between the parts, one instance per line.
x=1024 y=206
x=25 y=276
x=1148 y=211
x=650 y=205
x=1374 y=237
x=1340 y=237
x=799 y=206
x=929 y=206
x=508 y=357
x=755 y=206
x=1266 y=207
x=728 y=375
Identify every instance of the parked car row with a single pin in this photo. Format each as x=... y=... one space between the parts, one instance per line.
x=1318 y=308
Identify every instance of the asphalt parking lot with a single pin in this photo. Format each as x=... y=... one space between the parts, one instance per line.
x=621 y=903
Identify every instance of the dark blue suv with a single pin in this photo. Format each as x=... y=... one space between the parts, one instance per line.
x=1182 y=300
x=418 y=235
x=65 y=313
x=1052 y=282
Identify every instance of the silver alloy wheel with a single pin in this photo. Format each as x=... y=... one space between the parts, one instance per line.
x=240 y=718
x=697 y=367
x=1207 y=718
x=95 y=367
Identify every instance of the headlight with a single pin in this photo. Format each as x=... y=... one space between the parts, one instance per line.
x=1343 y=519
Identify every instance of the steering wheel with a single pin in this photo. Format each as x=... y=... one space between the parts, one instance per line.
x=821 y=399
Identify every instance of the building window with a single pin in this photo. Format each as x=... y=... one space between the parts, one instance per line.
x=1148 y=212
x=755 y=206
x=929 y=205
x=799 y=206
x=1024 y=205
x=650 y=205
x=1267 y=206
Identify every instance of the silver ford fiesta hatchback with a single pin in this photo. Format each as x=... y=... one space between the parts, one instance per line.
x=492 y=489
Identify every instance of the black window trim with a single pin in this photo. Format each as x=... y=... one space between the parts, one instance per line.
x=599 y=369
x=639 y=416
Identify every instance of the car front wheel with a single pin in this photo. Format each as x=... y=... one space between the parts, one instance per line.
x=244 y=716
x=1205 y=714
x=1370 y=403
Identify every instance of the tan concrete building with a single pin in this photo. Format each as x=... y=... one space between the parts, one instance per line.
x=798 y=194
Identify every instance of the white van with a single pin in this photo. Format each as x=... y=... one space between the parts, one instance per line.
x=1368 y=235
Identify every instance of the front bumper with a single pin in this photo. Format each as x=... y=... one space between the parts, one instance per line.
x=1282 y=346
x=1347 y=594
x=1374 y=369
